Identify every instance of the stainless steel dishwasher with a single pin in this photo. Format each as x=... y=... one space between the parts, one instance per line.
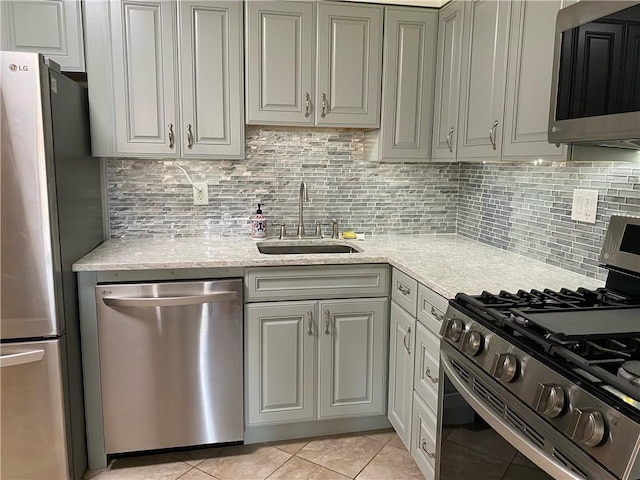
x=170 y=364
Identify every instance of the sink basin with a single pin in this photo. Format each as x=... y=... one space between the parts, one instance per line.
x=304 y=248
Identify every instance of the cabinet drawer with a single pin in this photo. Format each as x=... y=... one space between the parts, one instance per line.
x=317 y=282
x=426 y=377
x=423 y=442
x=431 y=308
x=404 y=291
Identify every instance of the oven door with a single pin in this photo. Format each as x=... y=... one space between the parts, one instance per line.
x=484 y=429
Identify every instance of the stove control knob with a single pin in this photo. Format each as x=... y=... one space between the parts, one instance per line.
x=588 y=427
x=453 y=329
x=549 y=400
x=505 y=367
x=472 y=343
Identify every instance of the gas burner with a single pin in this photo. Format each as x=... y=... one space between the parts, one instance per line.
x=630 y=371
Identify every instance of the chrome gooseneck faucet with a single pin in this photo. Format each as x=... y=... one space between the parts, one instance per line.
x=303 y=196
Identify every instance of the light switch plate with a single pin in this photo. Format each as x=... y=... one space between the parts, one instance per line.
x=585 y=205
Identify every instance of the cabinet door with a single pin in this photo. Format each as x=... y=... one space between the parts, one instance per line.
x=211 y=79
x=447 y=81
x=280 y=362
x=484 y=60
x=50 y=27
x=401 y=355
x=409 y=53
x=349 y=60
x=144 y=75
x=280 y=54
x=352 y=357
x=529 y=81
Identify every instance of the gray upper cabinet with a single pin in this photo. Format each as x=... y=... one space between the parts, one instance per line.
x=349 y=61
x=165 y=78
x=447 y=81
x=529 y=81
x=279 y=62
x=482 y=91
x=313 y=64
x=407 y=83
x=144 y=77
x=211 y=83
x=50 y=27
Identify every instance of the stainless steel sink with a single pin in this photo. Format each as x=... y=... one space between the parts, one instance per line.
x=304 y=248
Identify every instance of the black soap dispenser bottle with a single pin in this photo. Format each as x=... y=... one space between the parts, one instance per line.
x=258 y=225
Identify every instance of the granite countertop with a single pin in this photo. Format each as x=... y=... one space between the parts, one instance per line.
x=448 y=264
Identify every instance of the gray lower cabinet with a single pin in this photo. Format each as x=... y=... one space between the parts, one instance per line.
x=313 y=63
x=447 y=81
x=408 y=74
x=51 y=27
x=145 y=99
x=281 y=362
x=308 y=360
x=402 y=333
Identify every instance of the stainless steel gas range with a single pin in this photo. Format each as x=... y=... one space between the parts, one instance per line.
x=555 y=373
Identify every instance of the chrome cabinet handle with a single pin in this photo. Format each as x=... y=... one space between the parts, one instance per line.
x=327 y=315
x=404 y=341
x=310 y=317
x=20 y=358
x=434 y=312
x=189 y=136
x=492 y=134
x=307 y=104
x=449 y=139
x=404 y=290
x=168 y=301
x=324 y=106
x=432 y=378
x=172 y=137
x=424 y=447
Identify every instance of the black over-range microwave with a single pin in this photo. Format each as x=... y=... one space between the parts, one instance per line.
x=595 y=93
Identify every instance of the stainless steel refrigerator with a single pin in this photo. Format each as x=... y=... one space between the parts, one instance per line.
x=51 y=214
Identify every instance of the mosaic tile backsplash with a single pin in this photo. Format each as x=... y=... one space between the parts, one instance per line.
x=154 y=197
x=517 y=207
x=527 y=209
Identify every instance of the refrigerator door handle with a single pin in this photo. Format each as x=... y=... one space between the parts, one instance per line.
x=20 y=358
x=168 y=301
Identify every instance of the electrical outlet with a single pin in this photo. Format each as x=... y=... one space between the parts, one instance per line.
x=200 y=193
x=585 y=205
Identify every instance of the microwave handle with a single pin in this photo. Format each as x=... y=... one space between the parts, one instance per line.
x=515 y=438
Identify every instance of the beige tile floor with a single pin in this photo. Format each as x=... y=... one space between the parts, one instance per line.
x=377 y=455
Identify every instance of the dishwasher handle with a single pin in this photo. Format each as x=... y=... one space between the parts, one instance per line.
x=214 y=297
x=20 y=358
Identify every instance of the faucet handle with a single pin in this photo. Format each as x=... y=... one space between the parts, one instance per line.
x=283 y=231
x=334 y=228
x=318 y=229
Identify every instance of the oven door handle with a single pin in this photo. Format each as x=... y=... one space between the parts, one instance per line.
x=513 y=436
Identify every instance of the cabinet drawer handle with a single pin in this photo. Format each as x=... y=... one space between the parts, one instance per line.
x=307 y=104
x=324 y=106
x=310 y=317
x=434 y=312
x=424 y=447
x=449 y=139
x=327 y=315
x=492 y=134
x=404 y=290
x=172 y=137
x=404 y=340
x=432 y=378
x=189 y=136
